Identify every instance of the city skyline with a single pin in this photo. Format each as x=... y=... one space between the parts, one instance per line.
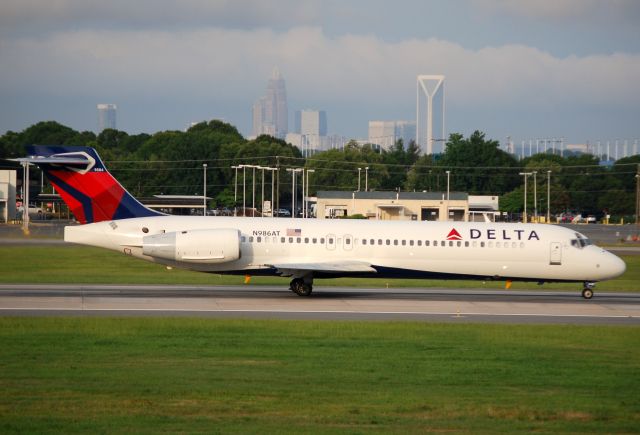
x=548 y=68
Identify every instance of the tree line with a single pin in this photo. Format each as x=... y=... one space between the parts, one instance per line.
x=170 y=162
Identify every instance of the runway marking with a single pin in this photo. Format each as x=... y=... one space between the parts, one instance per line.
x=195 y=310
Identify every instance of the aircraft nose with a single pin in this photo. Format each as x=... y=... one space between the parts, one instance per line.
x=612 y=266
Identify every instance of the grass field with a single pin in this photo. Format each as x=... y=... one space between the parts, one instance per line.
x=98 y=375
x=80 y=264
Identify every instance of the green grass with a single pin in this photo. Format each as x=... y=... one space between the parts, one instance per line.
x=98 y=375
x=80 y=264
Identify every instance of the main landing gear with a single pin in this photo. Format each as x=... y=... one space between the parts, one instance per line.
x=302 y=286
x=587 y=291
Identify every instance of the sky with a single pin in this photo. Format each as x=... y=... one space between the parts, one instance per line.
x=525 y=69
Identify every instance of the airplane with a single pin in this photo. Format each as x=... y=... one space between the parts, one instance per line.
x=305 y=249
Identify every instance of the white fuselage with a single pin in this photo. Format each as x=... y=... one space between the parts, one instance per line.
x=401 y=248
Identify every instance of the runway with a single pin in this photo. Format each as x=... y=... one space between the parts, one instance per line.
x=326 y=303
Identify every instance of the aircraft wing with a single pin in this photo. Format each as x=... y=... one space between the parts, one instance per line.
x=288 y=269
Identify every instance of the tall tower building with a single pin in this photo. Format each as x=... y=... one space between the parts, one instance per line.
x=311 y=122
x=270 y=113
x=106 y=116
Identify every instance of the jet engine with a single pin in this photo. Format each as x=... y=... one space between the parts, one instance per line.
x=194 y=246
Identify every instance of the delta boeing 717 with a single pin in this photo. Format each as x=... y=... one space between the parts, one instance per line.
x=305 y=249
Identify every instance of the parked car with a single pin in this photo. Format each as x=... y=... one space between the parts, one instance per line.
x=282 y=212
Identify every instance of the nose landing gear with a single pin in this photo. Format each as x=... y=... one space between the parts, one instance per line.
x=587 y=291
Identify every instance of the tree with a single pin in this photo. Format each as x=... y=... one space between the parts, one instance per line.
x=338 y=169
x=478 y=166
x=422 y=176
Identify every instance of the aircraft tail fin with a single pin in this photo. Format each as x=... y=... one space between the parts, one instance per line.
x=85 y=185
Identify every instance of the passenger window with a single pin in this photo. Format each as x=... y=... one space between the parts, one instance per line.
x=490 y=244
x=459 y=244
x=420 y=243
x=364 y=241
x=466 y=244
x=243 y=239
x=314 y=240
x=497 y=244
x=347 y=241
x=282 y=239
x=395 y=242
x=379 y=241
x=298 y=239
x=474 y=244
x=482 y=244
x=290 y=239
x=258 y=239
x=450 y=243
x=388 y=242
x=521 y=244
x=322 y=240
x=404 y=243
x=306 y=239
x=435 y=243
x=250 y=239
x=410 y=242
x=330 y=241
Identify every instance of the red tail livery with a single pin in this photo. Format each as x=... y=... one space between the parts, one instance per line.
x=85 y=185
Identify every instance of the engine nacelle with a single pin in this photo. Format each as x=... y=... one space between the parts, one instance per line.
x=194 y=246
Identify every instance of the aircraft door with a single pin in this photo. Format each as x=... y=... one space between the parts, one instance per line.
x=555 y=256
x=331 y=242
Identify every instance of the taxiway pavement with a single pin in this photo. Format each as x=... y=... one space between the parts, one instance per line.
x=326 y=303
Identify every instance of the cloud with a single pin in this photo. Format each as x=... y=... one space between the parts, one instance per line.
x=562 y=10
x=226 y=63
x=42 y=17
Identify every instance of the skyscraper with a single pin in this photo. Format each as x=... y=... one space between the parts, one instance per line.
x=106 y=116
x=311 y=122
x=386 y=133
x=310 y=131
x=270 y=114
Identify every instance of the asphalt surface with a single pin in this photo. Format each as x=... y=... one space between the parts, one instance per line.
x=326 y=303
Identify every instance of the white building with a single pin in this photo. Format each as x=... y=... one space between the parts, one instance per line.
x=7 y=195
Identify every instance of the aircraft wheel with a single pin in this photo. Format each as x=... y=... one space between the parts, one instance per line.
x=587 y=293
x=299 y=287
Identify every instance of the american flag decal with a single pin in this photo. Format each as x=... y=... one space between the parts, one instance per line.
x=293 y=232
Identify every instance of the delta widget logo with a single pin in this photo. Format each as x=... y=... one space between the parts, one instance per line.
x=454 y=235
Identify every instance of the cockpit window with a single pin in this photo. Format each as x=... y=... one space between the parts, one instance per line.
x=581 y=241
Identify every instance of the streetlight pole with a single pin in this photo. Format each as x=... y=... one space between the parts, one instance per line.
x=366 y=179
x=448 y=192
x=25 y=198
x=235 y=192
x=535 y=196
x=262 y=196
x=293 y=189
x=307 y=187
x=204 y=195
x=548 y=197
x=244 y=190
x=359 y=170
x=524 y=215
x=253 y=192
